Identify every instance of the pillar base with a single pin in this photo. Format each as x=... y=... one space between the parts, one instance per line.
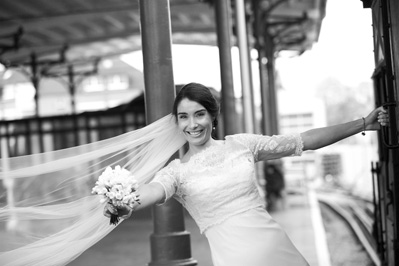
x=171 y=249
x=186 y=262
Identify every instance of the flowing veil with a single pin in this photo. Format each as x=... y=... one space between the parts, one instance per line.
x=48 y=215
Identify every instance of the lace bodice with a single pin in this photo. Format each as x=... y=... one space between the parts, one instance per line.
x=220 y=181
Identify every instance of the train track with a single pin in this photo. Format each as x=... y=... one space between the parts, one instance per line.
x=358 y=214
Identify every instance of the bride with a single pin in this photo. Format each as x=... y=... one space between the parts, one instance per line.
x=215 y=181
x=51 y=217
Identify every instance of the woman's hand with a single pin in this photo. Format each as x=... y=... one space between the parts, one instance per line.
x=123 y=212
x=149 y=194
x=377 y=118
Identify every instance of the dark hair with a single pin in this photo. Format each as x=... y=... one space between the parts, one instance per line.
x=201 y=94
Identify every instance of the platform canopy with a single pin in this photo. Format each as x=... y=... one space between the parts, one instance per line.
x=85 y=30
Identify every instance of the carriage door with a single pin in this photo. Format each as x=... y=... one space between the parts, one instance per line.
x=386 y=171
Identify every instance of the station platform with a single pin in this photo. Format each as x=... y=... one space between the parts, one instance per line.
x=301 y=219
x=129 y=244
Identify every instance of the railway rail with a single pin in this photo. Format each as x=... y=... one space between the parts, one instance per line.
x=358 y=214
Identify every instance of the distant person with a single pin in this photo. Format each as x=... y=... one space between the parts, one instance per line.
x=275 y=187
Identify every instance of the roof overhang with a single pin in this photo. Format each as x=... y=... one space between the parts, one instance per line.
x=73 y=30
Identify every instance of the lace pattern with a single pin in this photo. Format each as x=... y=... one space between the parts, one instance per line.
x=220 y=181
x=272 y=147
x=167 y=178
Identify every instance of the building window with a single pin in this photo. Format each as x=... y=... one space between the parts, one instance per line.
x=296 y=122
x=117 y=82
x=18 y=100
x=93 y=84
x=102 y=83
x=9 y=92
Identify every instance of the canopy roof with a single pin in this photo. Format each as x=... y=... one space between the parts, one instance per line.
x=76 y=30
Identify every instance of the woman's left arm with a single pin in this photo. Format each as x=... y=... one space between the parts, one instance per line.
x=320 y=137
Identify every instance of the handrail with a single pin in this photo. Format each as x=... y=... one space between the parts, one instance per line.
x=392 y=126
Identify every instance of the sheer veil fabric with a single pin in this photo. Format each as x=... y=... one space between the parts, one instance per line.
x=48 y=215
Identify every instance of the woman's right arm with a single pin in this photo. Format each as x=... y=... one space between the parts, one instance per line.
x=161 y=188
x=149 y=194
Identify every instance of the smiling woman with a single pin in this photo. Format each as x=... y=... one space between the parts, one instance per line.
x=195 y=123
x=234 y=219
x=196 y=112
x=215 y=180
x=196 y=180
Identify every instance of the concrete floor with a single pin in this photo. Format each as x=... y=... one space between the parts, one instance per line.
x=129 y=244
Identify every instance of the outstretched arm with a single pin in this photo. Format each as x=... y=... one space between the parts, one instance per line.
x=149 y=194
x=320 y=137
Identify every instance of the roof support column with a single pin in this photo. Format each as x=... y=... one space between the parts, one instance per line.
x=259 y=45
x=72 y=88
x=72 y=94
x=223 y=28
x=271 y=84
x=246 y=84
x=35 y=79
x=170 y=243
x=265 y=95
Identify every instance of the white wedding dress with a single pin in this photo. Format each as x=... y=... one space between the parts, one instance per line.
x=218 y=188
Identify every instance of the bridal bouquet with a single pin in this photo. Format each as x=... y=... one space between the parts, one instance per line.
x=118 y=187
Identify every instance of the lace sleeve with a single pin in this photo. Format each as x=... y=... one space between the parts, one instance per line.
x=167 y=178
x=272 y=147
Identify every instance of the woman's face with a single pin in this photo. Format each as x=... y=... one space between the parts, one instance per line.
x=194 y=121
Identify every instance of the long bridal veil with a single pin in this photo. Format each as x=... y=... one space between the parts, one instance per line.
x=48 y=215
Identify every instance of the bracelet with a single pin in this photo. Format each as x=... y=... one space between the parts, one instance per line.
x=364 y=126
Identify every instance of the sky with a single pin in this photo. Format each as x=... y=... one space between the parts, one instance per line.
x=344 y=51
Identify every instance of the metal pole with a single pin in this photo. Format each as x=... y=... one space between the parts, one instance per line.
x=8 y=182
x=71 y=86
x=248 y=103
x=170 y=243
x=223 y=28
x=270 y=66
x=35 y=81
x=72 y=94
x=259 y=46
x=249 y=34
x=265 y=123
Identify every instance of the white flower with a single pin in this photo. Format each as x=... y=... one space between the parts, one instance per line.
x=117 y=187
x=118 y=195
x=110 y=195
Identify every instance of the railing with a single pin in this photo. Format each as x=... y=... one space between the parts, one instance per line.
x=42 y=134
